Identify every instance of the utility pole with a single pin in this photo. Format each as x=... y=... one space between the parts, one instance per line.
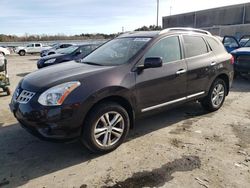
x=157 y=20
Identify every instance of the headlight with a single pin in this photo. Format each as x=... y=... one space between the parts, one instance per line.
x=50 y=61
x=56 y=95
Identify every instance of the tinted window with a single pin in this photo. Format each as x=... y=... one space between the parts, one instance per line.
x=65 y=45
x=168 y=49
x=216 y=46
x=230 y=42
x=30 y=45
x=37 y=45
x=194 y=46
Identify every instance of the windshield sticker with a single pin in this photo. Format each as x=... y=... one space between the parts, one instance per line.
x=142 y=39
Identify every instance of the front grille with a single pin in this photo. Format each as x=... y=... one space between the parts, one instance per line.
x=244 y=60
x=24 y=97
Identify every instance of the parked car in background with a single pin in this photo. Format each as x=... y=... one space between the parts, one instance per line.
x=53 y=49
x=4 y=50
x=241 y=54
x=98 y=98
x=230 y=43
x=31 y=49
x=74 y=52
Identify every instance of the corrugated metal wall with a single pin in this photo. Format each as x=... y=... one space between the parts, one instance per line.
x=233 y=20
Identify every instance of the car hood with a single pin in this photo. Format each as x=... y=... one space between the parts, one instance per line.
x=241 y=51
x=53 y=56
x=45 y=78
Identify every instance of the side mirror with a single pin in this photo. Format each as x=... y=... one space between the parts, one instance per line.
x=78 y=53
x=151 y=62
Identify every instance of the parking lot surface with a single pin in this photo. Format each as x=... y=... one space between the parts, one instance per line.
x=182 y=147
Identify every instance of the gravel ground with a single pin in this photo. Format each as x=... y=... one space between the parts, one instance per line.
x=182 y=147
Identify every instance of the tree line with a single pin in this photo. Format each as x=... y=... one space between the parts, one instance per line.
x=45 y=37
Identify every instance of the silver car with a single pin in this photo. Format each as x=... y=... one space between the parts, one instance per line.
x=53 y=49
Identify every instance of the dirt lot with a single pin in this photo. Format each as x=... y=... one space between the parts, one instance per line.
x=183 y=147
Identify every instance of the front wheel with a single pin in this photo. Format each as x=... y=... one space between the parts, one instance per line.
x=22 y=53
x=216 y=96
x=105 y=128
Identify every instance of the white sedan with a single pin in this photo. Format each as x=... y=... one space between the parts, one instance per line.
x=4 y=51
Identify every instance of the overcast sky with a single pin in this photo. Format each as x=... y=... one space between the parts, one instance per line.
x=91 y=16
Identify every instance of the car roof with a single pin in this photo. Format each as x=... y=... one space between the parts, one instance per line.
x=139 y=34
x=179 y=30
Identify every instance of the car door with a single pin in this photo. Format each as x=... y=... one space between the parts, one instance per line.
x=230 y=43
x=200 y=61
x=30 y=48
x=157 y=87
x=37 y=48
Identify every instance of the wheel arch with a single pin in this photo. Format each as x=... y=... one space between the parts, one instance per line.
x=119 y=100
x=224 y=77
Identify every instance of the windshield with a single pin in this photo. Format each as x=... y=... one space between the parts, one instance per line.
x=67 y=50
x=247 y=44
x=116 y=52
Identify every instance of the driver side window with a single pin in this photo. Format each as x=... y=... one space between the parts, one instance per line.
x=168 y=49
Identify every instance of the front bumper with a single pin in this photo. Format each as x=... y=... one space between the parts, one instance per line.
x=61 y=123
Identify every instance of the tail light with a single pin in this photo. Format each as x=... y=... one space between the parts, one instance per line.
x=232 y=60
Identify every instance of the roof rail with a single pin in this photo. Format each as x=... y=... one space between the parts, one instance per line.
x=185 y=29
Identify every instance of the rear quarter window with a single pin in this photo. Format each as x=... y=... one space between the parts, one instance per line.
x=215 y=45
x=194 y=46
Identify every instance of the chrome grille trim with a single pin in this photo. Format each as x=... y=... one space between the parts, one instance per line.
x=25 y=97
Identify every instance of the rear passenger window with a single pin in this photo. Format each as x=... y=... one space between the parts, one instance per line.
x=168 y=49
x=194 y=46
x=216 y=45
x=37 y=45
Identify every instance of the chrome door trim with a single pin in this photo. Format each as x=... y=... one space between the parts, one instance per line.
x=172 y=102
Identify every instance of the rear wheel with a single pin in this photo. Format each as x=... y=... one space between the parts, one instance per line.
x=216 y=96
x=105 y=128
x=22 y=53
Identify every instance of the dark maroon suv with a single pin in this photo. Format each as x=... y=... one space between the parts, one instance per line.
x=98 y=98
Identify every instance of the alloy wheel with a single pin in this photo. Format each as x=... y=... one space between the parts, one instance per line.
x=218 y=95
x=109 y=129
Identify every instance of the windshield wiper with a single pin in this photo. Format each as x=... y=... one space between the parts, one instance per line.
x=91 y=63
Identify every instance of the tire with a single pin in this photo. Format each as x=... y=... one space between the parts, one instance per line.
x=96 y=121
x=22 y=53
x=216 y=96
x=7 y=90
x=2 y=53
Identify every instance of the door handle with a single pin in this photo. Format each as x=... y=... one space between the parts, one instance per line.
x=181 y=71
x=213 y=63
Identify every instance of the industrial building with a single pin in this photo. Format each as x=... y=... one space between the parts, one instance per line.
x=229 y=20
